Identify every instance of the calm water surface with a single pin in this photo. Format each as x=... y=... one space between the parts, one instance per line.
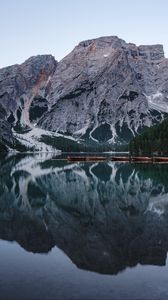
x=82 y=230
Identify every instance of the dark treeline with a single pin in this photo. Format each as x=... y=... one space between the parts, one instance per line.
x=68 y=145
x=153 y=140
x=3 y=148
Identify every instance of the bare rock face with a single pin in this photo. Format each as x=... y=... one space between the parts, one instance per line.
x=108 y=90
x=20 y=84
x=6 y=137
x=105 y=91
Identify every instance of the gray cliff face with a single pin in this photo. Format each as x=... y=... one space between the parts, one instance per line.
x=105 y=90
x=21 y=84
x=108 y=90
x=5 y=131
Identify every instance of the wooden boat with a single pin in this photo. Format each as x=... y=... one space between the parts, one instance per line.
x=142 y=159
x=76 y=158
x=95 y=158
x=86 y=158
x=120 y=158
x=160 y=159
x=139 y=159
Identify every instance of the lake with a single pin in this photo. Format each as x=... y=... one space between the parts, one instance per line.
x=82 y=230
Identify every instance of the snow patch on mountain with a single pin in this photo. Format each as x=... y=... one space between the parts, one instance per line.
x=157 y=101
x=31 y=140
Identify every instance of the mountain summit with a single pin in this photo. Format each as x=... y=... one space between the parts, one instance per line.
x=104 y=91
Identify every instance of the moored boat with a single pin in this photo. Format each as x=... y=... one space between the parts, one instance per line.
x=120 y=158
x=160 y=159
x=76 y=158
x=86 y=158
x=142 y=159
x=95 y=158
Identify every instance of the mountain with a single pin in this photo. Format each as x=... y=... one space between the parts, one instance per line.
x=105 y=91
x=108 y=90
x=22 y=90
x=21 y=86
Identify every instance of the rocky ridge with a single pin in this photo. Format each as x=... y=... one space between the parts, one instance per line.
x=21 y=86
x=108 y=90
x=104 y=91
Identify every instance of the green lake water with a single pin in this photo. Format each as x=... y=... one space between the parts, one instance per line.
x=82 y=230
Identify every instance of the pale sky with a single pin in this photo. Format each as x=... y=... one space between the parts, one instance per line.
x=31 y=27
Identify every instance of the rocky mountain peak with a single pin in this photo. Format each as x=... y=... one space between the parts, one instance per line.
x=34 y=65
x=152 y=52
x=108 y=88
x=102 y=42
x=20 y=84
x=104 y=91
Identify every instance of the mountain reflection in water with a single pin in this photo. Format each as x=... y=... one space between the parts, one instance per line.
x=104 y=216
